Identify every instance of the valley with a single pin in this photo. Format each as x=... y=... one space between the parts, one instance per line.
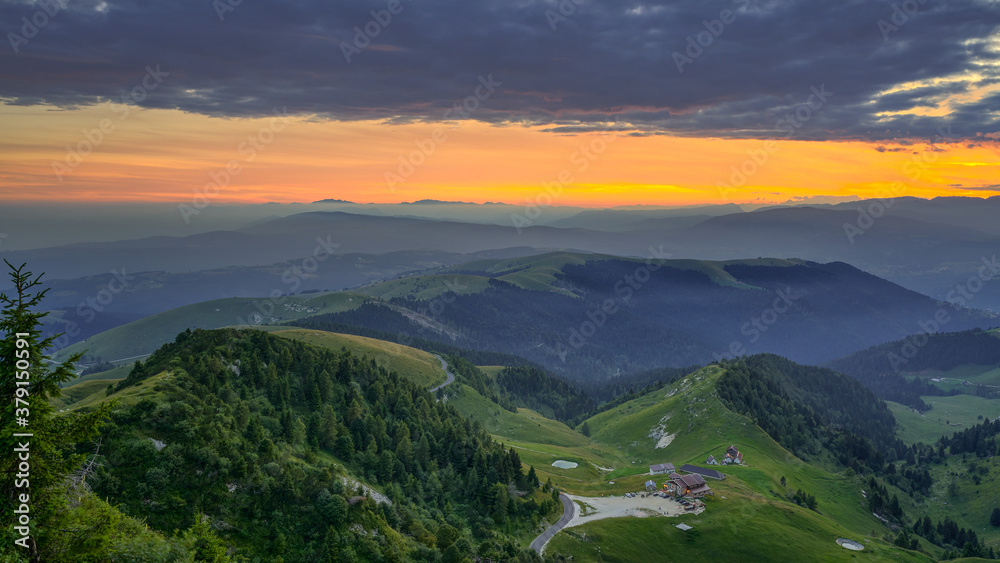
x=452 y=412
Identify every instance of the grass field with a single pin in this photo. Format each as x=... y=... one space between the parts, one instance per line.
x=954 y=377
x=90 y=394
x=427 y=286
x=947 y=416
x=728 y=530
x=80 y=391
x=416 y=365
x=491 y=371
x=138 y=338
x=120 y=372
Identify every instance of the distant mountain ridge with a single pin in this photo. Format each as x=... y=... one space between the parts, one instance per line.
x=591 y=317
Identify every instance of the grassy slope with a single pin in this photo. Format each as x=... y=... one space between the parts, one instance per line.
x=81 y=391
x=973 y=373
x=972 y=504
x=538 y=273
x=539 y=440
x=90 y=394
x=750 y=507
x=120 y=372
x=947 y=416
x=416 y=365
x=145 y=335
x=726 y=531
x=427 y=286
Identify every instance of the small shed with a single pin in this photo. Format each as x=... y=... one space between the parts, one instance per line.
x=650 y=485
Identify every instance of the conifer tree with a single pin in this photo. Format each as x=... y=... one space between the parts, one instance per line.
x=27 y=382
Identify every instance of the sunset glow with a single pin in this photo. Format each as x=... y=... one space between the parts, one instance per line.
x=169 y=155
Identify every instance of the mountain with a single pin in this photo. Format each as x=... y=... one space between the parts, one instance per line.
x=922 y=245
x=942 y=260
x=264 y=439
x=287 y=450
x=83 y=307
x=922 y=365
x=590 y=317
x=639 y=219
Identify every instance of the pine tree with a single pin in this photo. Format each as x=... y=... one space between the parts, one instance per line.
x=27 y=383
x=995 y=518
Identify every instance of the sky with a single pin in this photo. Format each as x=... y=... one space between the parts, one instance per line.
x=575 y=102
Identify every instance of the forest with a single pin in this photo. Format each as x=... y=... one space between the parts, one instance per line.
x=881 y=367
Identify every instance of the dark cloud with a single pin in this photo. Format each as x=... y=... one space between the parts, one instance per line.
x=607 y=63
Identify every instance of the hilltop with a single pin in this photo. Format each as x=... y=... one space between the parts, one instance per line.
x=591 y=316
x=290 y=450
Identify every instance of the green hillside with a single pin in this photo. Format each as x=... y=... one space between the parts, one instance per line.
x=290 y=451
x=426 y=286
x=538 y=273
x=728 y=531
x=946 y=415
x=690 y=422
x=139 y=338
x=416 y=365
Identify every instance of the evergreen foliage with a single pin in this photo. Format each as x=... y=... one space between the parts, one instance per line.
x=266 y=437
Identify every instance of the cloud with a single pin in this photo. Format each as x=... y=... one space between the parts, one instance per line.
x=606 y=61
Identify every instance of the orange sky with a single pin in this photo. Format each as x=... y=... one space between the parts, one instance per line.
x=168 y=155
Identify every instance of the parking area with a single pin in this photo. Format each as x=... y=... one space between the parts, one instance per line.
x=640 y=505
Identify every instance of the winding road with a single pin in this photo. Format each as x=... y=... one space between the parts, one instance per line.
x=444 y=366
x=569 y=510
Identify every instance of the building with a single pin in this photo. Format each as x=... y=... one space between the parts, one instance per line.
x=661 y=469
x=711 y=460
x=691 y=486
x=710 y=473
x=733 y=456
x=650 y=486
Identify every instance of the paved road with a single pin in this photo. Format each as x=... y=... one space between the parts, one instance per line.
x=569 y=510
x=444 y=366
